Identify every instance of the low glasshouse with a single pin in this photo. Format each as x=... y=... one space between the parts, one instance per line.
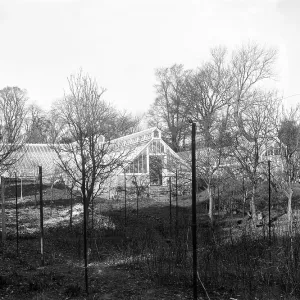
x=151 y=161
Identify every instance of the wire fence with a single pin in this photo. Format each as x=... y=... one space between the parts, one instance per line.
x=145 y=224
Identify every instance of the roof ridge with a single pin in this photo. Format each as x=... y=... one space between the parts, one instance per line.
x=129 y=136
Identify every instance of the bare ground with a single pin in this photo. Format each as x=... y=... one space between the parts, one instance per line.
x=22 y=275
x=111 y=274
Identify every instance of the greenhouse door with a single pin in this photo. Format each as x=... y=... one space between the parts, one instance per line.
x=155 y=168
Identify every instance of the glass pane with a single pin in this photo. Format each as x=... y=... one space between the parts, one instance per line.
x=150 y=147
x=145 y=163
x=135 y=164
x=141 y=163
x=156 y=134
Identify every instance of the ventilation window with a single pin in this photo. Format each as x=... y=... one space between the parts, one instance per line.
x=156 y=133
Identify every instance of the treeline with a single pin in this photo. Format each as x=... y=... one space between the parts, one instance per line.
x=74 y=128
x=240 y=123
x=21 y=122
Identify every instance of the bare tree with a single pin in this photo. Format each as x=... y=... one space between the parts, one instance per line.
x=257 y=115
x=223 y=93
x=123 y=124
x=12 y=132
x=209 y=163
x=84 y=154
x=37 y=125
x=252 y=109
x=250 y=66
x=209 y=95
x=285 y=169
x=168 y=111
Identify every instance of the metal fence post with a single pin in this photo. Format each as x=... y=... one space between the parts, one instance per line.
x=17 y=219
x=170 y=217
x=125 y=198
x=176 y=224
x=194 y=217
x=41 y=214
x=269 y=171
x=3 y=209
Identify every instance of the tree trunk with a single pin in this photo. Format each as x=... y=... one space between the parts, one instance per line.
x=289 y=211
x=71 y=207
x=87 y=205
x=211 y=204
x=244 y=197
x=244 y=203
x=218 y=201
x=252 y=203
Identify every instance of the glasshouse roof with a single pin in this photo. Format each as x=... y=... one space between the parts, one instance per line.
x=143 y=136
x=34 y=155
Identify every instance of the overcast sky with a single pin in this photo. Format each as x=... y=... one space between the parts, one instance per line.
x=121 y=42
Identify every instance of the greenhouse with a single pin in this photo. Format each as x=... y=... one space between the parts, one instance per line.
x=150 y=159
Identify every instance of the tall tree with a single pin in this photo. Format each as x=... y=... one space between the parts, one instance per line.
x=38 y=125
x=168 y=111
x=287 y=146
x=12 y=131
x=257 y=115
x=250 y=65
x=123 y=124
x=85 y=157
x=209 y=95
x=83 y=141
x=210 y=161
x=252 y=110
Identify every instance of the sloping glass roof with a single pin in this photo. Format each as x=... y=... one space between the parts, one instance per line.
x=135 y=138
x=33 y=156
